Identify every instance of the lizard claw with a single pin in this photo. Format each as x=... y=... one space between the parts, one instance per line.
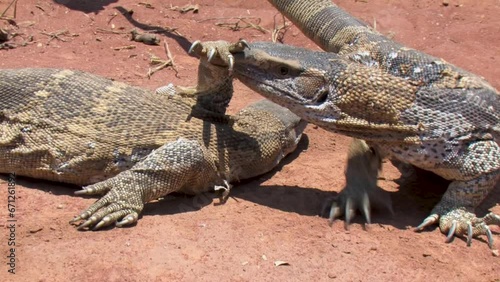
x=460 y=222
x=114 y=207
x=127 y=220
x=210 y=54
x=224 y=189
x=194 y=46
x=243 y=43
x=230 y=58
x=346 y=205
x=428 y=221
x=93 y=190
x=451 y=233
x=219 y=52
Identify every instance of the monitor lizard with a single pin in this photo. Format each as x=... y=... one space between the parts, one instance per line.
x=132 y=145
x=407 y=105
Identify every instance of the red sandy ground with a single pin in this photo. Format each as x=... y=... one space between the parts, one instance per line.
x=273 y=218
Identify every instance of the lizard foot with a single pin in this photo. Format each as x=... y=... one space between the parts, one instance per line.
x=104 y=212
x=346 y=205
x=460 y=222
x=116 y=206
x=361 y=190
x=218 y=52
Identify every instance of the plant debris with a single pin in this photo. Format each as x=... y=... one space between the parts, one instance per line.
x=8 y=36
x=14 y=12
x=160 y=63
x=186 y=8
x=146 y=5
x=128 y=47
x=58 y=35
x=278 y=33
x=280 y=263
x=146 y=38
x=241 y=23
x=4 y=35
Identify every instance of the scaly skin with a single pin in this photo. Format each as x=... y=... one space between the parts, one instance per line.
x=449 y=129
x=407 y=105
x=130 y=144
x=334 y=30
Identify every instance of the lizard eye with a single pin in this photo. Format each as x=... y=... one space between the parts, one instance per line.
x=322 y=97
x=283 y=70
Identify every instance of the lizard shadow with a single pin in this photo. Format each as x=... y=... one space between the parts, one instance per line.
x=412 y=202
x=52 y=187
x=418 y=194
x=178 y=202
x=85 y=6
x=181 y=40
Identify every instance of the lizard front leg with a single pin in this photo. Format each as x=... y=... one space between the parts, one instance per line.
x=182 y=165
x=476 y=170
x=361 y=190
x=455 y=212
x=214 y=90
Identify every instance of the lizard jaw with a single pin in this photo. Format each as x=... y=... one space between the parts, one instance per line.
x=308 y=110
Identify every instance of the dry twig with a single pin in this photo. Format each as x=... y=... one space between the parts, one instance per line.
x=236 y=26
x=2 y=15
x=112 y=17
x=160 y=63
x=128 y=47
x=279 y=31
x=58 y=35
x=103 y=30
x=147 y=5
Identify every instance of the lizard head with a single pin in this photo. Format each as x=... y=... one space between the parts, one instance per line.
x=272 y=132
x=275 y=132
x=293 y=77
x=292 y=125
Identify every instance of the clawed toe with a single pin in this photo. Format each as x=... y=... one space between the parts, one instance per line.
x=219 y=52
x=105 y=218
x=211 y=53
x=335 y=212
x=460 y=222
x=196 y=45
x=105 y=212
x=346 y=206
x=428 y=221
x=128 y=220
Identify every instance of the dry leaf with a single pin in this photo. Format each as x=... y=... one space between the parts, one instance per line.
x=280 y=263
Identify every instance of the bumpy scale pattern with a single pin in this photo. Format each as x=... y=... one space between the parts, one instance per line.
x=78 y=128
x=424 y=111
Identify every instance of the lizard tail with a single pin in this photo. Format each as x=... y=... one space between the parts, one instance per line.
x=323 y=22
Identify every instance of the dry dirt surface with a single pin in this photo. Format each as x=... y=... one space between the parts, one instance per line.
x=270 y=219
